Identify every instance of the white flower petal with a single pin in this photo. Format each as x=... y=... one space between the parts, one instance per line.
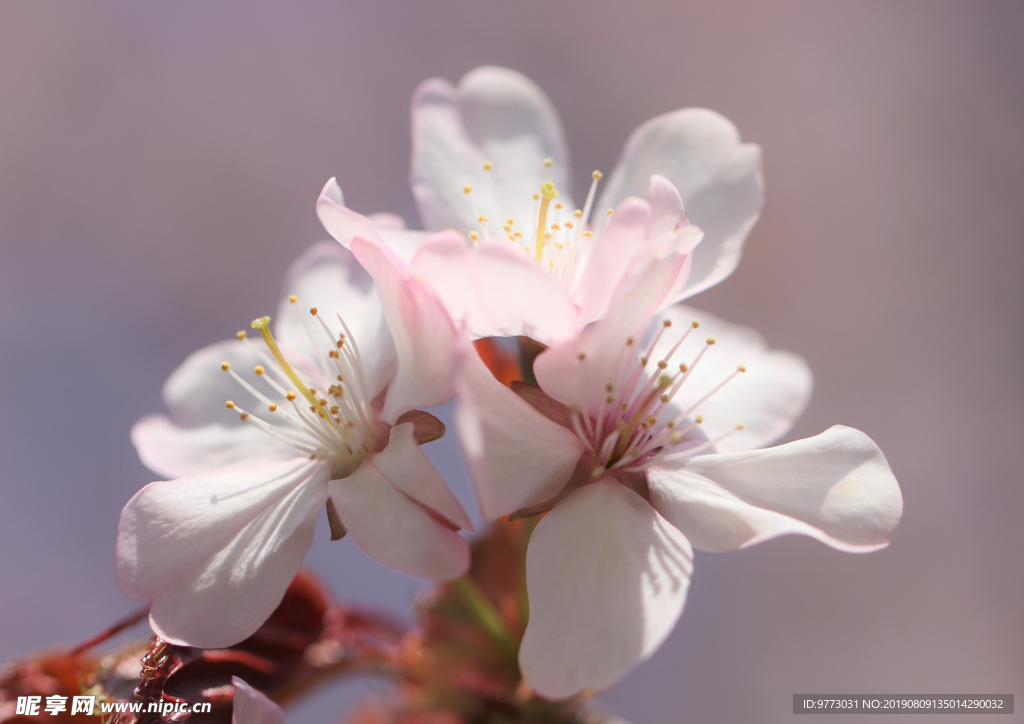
x=252 y=706
x=329 y=278
x=395 y=530
x=196 y=391
x=174 y=451
x=718 y=177
x=495 y=115
x=216 y=552
x=408 y=469
x=425 y=338
x=766 y=399
x=496 y=291
x=835 y=487
x=607 y=578
x=516 y=456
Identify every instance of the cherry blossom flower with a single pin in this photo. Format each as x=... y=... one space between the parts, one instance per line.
x=641 y=443
x=490 y=161
x=325 y=413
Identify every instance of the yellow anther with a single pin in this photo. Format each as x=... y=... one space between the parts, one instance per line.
x=290 y=396
x=313 y=311
x=467 y=189
x=699 y=419
x=568 y=225
x=741 y=368
x=482 y=218
x=507 y=229
x=518 y=235
x=662 y=364
x=259 y=370
x=272 y=407
x=323 y=403
x=548 y=190
x=339 y=379
x=240 y=335
x=558 y=205
x=488 y=165
x=695 y=323
x=244 y=416
x=536 y=196
x=587 y=234
x=610 y=211
x=225 y=366
x=334 y=409
x=683 y=367
x=511 y=222
x=473 y=236
x=664 y=381
x=577 y=213
x=710 y=341
x=556 y=227
x=596 y=175
x=739 y=425
x=333 y=354
x=675 y=438
x=549 y=162
x=293 y=299
x=230 y=405
x=312 y=390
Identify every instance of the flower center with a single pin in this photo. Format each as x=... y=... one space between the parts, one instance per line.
x=632 y=427
x=334 y=423
x=557 y=245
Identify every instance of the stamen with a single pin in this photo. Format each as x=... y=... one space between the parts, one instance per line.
x=548 y=192
x=263 y=325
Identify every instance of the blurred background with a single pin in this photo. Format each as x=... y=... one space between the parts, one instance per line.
x=159 y=164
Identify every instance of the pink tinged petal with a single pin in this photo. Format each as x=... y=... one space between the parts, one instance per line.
x=329 y=278
x=215 y=552
x=607 y=578
x=252 y=706
x=576 y=372
x=394 y=529
x=174 y=451
x=718 y=177
x=341 y=222
x=835 y=487
x=425 y=338
x=495 y=291
x=614 y=249
x=667 y=213
x=195 y=393
x=495 y=115
x=766 y=399
x=516 y=456
x=404 y=464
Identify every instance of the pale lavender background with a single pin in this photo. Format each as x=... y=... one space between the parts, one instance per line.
x=159 y=162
